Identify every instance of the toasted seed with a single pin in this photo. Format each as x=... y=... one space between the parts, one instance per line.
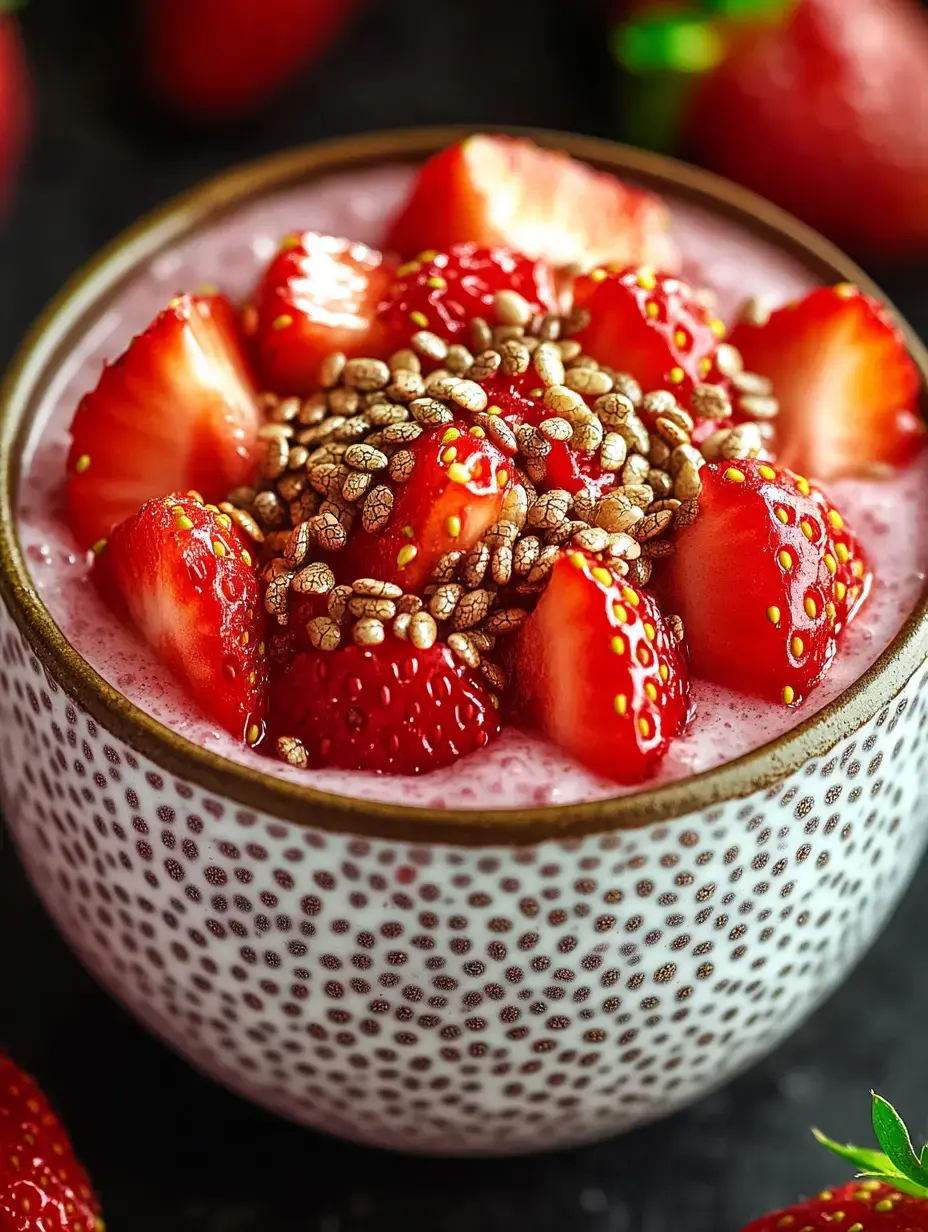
x=591 y=539
x=567 y=529
x=616 y=514
x=639 y=571
x=410 y=604
x=402 y=465
x=474 y=565
x=675 y=627
x=577 y=321
x=688 y=483
x=660 y=483
x=624 y=383
x=369 y=605
x=440 y=384
x=274 y=543
x=544 y=563
x=710 y=402
x=515 y=357
x=501 y=434
x=614 y=409
x=423 y=631
x=344 y=401
x=286 y=410
x=298 y=545
x=759 y=406
x=464 y=649
x=356 y=485
x=585 y=505
x=430 y=412
x=275 y=432
x=405 y=385
x=658 y=402
x=563 y=401
x=635 y=434
x=374 y=588
x=525 y=554
x=495 y=675
x=658 y=549
x=377 y=508
x=365 y=458
x=368 y=631
x=486 y=363
x=652 y=525
x=506 y=620
x=443 y=602
x=751 y=383
x=622 y=547
x=636 y=470
x=613 y=452
x=313 y=410
x=244 y=521
x=404 y=360
x=401 y=623
x=550 y=509
x=711 y=447
x=547 y=362
x=275 y=594
x=315 y=579
x=728 y=360
x=587 y=437
x=511 y=308
x=331 y=369
x=366 y=374
x=458 y=359
x=446 y=567
x=588 y=381
x=338 y=601
x=336 y=506
x=686 y=515
x=472 y=608
x=324 y=633
x=327 y=532
x=556 y=429
x=429 y=345
x=292 y=751
x=481 y=334
x=638 y=494
x=470 y=396
x=742 y=442
x=531 y=442
x=275 y=456
x=501 y=565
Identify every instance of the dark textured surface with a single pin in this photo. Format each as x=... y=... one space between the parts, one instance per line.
x=167 y=1148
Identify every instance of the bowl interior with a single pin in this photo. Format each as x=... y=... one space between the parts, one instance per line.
x=221 y=233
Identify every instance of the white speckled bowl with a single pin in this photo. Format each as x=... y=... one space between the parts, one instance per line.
x=447 y=982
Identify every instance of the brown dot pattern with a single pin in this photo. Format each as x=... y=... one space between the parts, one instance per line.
x=459 y=1000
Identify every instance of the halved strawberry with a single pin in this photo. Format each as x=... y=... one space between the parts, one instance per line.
x=507 y=191
x=319 y=294
x=443 y=291
x=455 y=492
x=598 y=672
x=764 y=578
x=390 y=708
x=177 y=410
x=847 y=387
x=651 y=325
x=180 y=571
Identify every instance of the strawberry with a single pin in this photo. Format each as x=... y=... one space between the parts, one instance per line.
x=508 y=192
x=15 y=102
x=391 y=708
x=42 y=1186
x=218 y=59
x=765 y=578
x=319 y=294
x=181 y=573
x=889 y=1194
x=651 y=325
x=847 y=387
x=443 y=291
x=178 y=409
x=454 y=493
x=597 y=670
x=826 y=114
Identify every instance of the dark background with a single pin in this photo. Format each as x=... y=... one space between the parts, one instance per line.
x=167 y=1149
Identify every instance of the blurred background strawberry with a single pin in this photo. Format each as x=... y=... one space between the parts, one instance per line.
x=14 y=98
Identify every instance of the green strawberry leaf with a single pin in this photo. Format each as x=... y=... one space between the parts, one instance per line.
x=871 y=1163
x=893 y=1137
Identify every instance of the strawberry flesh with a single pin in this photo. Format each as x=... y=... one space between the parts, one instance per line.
x=847 y=387
x=42 y=1185
x=765 y=578
x=454 y=494
x=443 y=291
x=391 y=709
x=181 y=573
x=651 y=325
x=177 y=410
x=508 y=192
x=319 y=294
x=597 y=671
x=861 y=1203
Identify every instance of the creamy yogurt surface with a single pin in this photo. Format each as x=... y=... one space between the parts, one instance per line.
x=889 y=516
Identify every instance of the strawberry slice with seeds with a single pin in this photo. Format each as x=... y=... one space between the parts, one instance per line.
x=177 y=410
x=765 y=578
x=847 y=387
x=443 y=291
x=390 y=708
x=651 y=325
x=319 y=294
x=181 y=573
x=508 y=192
x=454 y=493
x=597 y=670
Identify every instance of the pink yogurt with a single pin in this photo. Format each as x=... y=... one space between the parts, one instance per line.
x=519 y=769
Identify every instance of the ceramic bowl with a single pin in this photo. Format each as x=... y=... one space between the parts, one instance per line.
x=452 y=982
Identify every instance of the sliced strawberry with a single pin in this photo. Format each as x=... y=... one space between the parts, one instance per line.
x=651 y=325
x=455 y=492
x=319 y=294
x=177 y=410
x=444 y=291
x=764 y=578
x=390 y=708
x=508 y=192
x=181 y=573
x=598 y=672
x=847 y=387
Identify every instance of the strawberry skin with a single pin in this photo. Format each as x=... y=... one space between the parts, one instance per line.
x=15 y=103
x=181 y=573
x=826 y=114
x=651 y=325
x=764 y=579
x=867 y=1204
x=177 y=410
x=391 y=709
x=454 y=494
x=508 y=192
x=598 y=672
x=320 y=294
x=847 y=387
x=443 y=291
x=218 y=59
x=42 y=1186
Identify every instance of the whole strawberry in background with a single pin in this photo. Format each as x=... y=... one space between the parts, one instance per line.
x=14 y=99
x=819 y=105
x=219 y=59
x=42 y=1186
